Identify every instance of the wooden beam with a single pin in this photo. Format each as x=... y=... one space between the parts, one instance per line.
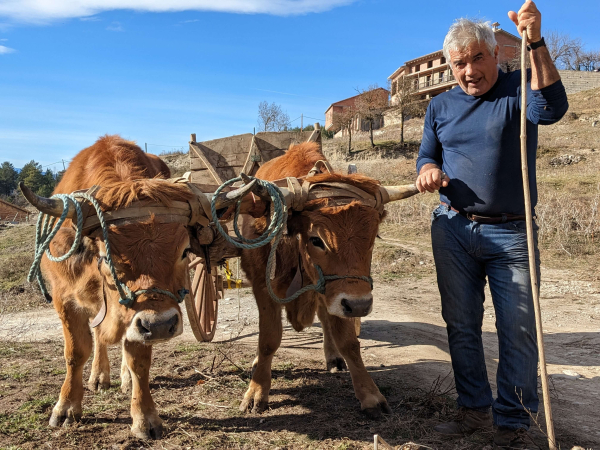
x=197 y=149
x=248 y=164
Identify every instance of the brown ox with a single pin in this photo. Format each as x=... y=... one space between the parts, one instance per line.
x=340 y=240
x=147 y=255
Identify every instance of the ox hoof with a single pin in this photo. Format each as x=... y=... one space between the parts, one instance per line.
x=336 y=365
x=152 y=432
x=258 y=407
x=98 y=383
x=378 y=411
x=65 y=419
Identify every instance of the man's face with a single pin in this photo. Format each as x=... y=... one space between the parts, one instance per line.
x=475 y=68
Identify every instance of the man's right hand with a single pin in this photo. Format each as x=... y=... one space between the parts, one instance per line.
x=431 y=179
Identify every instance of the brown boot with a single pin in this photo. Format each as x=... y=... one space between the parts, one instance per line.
x=467 y=422
x=506 y=438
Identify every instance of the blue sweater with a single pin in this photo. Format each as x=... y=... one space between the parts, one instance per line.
x=476 y=142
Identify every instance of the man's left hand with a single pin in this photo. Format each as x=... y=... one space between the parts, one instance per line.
x=528 y=17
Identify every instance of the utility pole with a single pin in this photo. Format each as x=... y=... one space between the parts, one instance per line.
x=146 y=146
x=302 y=122
x=63 y=161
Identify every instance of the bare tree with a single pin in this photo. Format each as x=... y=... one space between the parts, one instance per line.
x=370 y=104
x=405 y=102
x=584 y=60
x=272 y=117
x=562 y=47
x=344 y=120
x=590 y=60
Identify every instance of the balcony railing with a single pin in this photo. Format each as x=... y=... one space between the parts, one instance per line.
x=435 y=81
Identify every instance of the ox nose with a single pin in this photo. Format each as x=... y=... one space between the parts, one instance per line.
x=157 y=330
x=357 y=307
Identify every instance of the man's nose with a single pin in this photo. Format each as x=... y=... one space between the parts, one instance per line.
x=469 y=69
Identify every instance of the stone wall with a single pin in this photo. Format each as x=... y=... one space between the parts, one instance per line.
x=577 y=81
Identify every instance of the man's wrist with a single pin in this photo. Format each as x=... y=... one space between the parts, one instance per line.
x=536 y=44
x=428 y=166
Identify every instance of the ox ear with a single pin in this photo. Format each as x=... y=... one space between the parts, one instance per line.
x=395 y=193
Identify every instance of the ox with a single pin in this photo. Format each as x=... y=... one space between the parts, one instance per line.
x=337 y=238
x=150 y=256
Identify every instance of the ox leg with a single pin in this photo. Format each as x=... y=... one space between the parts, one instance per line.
x=100 y=376
x=146 y=423
x=269 y=339
x=371 y=400
x=78 y=347
x=125 y=373
x=334 y=360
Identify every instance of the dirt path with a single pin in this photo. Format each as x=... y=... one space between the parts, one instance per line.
x=405 y=337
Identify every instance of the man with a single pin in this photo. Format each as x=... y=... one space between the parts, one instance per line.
x=470 y=152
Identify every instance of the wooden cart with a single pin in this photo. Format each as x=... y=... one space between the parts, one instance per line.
x=212 y=163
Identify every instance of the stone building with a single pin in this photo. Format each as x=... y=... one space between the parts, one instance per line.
x=431 y=75
x=13 y=213
x=358 y=123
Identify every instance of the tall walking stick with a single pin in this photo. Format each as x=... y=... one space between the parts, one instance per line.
x=531 y=248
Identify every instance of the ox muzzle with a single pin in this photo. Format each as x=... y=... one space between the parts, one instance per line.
x=151 y=327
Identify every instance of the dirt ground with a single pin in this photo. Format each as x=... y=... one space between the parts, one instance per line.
x=198 y=387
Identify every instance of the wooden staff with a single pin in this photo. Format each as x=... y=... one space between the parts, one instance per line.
x=531 y=248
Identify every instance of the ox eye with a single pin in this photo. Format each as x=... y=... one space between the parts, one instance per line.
x=317 y=242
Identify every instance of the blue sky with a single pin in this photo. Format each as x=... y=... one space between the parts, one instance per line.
x=72 y=71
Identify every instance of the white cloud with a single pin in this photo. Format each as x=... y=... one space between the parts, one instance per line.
x=3 y=40
x=5 y=50
x=115 y=26
x=90 y=19
x=43 y=11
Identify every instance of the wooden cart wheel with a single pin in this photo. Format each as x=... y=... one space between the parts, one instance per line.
x=357 y=326
x=202 y=304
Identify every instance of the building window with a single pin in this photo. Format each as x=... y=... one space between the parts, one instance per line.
x=441 y=77
x=428 y=80
x=418 y=68
x=443 y=60
x=429 y=64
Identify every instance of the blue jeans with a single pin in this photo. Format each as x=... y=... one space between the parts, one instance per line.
x=465 y=254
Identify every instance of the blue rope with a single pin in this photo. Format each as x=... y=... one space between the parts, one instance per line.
x=46 y=230
x=273 y=235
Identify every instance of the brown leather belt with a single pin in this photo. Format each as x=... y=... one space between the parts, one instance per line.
x=503 y=218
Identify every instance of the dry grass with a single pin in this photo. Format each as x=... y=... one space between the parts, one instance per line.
x=16 y=254
x=198 y=390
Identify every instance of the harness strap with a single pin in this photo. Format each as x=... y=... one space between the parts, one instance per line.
x=200 y=207
x=299 y=193
x=177 y=212
x=318 y=168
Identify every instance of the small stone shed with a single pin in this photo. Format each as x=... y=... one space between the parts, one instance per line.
x=13 y=213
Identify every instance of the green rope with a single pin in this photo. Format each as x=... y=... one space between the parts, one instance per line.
x=46 y=230
x=273 y=235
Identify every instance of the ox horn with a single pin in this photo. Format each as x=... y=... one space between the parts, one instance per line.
x=399 y=192
x=227 y=199
x=51 y=206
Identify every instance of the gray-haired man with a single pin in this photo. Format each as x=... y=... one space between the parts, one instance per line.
x=471 y=152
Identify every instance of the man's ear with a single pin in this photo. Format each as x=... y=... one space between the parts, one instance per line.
x=496 y=52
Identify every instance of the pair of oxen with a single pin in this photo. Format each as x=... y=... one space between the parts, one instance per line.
x=153 y=223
